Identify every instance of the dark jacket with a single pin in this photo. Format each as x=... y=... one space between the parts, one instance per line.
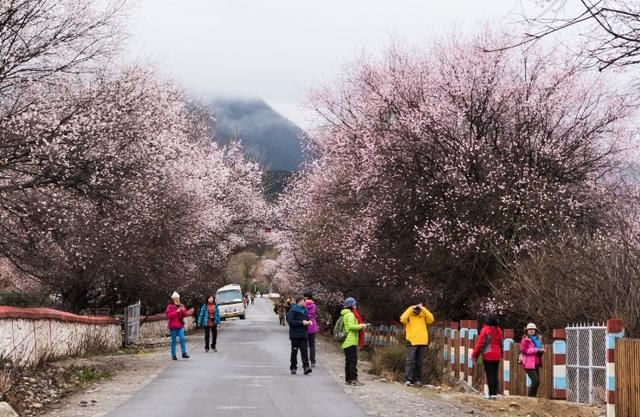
x=295 y=317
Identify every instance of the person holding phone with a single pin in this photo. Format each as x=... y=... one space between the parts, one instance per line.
x=176 y=312
x=416 y=320
x=531 y=352
x=299 y=322
x=350 y=345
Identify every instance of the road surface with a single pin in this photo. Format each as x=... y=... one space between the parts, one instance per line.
x=248 y=376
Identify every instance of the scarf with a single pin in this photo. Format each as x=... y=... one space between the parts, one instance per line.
x=536 y=341
x=361 y=337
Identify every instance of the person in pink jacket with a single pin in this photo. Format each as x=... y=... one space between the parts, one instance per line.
x=313 y=328
x=176 y=312
x=531 y=351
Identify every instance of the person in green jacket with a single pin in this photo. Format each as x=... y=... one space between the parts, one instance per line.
x=350 y=344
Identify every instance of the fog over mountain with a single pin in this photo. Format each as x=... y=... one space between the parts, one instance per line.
x=269 y=138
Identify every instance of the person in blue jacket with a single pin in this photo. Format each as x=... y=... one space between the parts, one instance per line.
x=209 y=318
x=298 y=320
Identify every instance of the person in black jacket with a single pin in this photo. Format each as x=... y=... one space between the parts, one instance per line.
x=298 y=320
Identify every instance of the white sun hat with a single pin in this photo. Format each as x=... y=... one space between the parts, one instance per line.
x=175 y=295
x=531 y=326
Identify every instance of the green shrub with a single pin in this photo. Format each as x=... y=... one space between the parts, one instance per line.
x=18 y=299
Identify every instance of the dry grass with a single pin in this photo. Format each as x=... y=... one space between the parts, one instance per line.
x=390 y=362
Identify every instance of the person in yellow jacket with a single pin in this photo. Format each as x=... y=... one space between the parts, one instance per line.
x=416 y=320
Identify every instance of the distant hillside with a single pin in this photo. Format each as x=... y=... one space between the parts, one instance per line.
x=268 y=137
x=274 y=183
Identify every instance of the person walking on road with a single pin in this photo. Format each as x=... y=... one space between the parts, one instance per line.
x=488 y=351
x=298 y=324
x=351 y=344
x=176 y=312
x=313 y=328
x=209 y=318
x=531 y=351
x=281 y=310
x=416 y=320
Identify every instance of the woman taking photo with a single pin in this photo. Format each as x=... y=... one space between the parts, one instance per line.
x=488 y=351
x=531 y=352
x=209 y=319
x=176 y=312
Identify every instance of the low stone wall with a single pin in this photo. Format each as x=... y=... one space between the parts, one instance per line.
x=155 y=326
x=29 y=336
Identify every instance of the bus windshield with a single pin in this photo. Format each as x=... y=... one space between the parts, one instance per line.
x=228 y=297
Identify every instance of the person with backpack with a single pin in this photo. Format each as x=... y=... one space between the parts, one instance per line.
x=298 y=324
x=176 y=312
x=313 y=328
x=347 y=330
x=209 y=318
x=531 y=352
x=488 y=352
x=416 y=320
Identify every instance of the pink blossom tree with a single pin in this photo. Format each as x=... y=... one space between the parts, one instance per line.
x=431 y=163
x=111 y=188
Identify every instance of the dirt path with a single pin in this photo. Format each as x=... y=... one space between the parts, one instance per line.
x=129 y=373
x=390 y=399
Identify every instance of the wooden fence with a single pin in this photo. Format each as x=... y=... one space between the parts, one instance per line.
x=623 y=399
x=518 y=376
x=627 y=378
x=384 y=335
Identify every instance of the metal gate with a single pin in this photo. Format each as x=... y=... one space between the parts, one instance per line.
x=131 y=324
x=587 y=364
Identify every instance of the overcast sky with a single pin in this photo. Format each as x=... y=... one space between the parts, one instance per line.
x=279 y=49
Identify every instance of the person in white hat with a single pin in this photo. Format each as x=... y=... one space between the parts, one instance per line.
x=176 y=312
x=531 y=351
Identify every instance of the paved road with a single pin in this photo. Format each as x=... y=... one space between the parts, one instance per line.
x=248 y=376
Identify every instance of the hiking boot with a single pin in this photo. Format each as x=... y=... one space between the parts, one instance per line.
x=307 y=371
x=174 y=358
x=185 y=356
x=418 y=384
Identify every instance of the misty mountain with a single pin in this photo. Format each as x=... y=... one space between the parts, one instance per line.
x=268 y=137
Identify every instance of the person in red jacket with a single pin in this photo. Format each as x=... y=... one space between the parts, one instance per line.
x=176 y=312
x=489 y=345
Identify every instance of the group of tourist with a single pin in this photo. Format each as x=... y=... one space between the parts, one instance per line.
x=303 y=326
x=301 y=314
x=489 y=351
x=208 y=319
